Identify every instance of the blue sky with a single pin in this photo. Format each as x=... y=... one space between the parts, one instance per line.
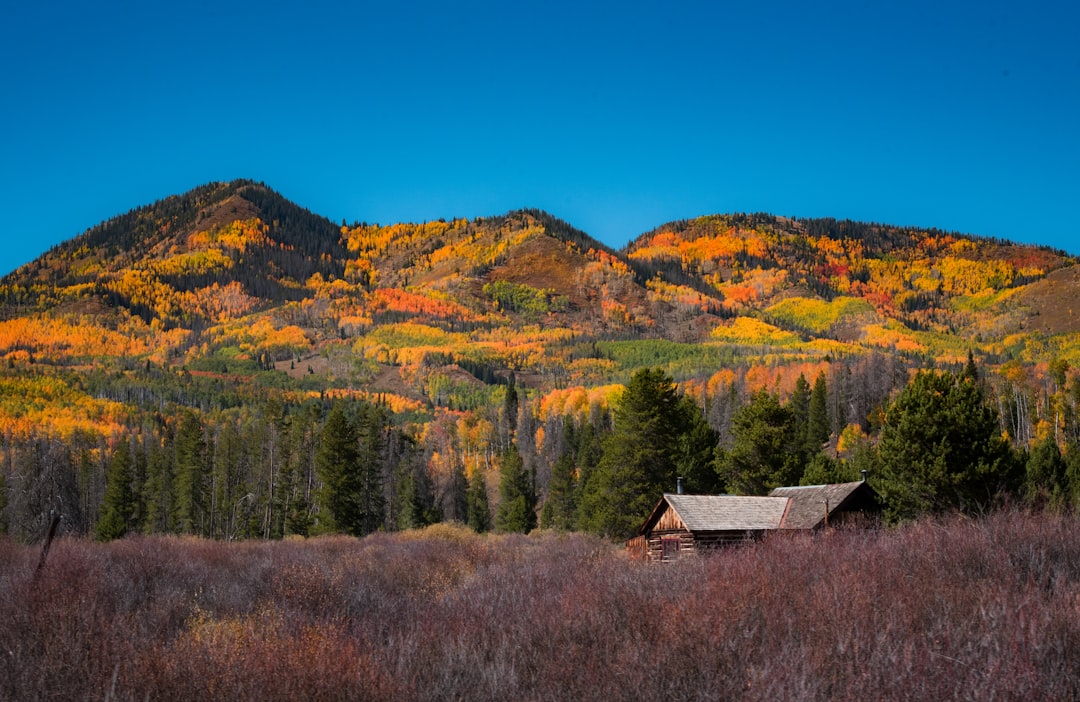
x=615 y=116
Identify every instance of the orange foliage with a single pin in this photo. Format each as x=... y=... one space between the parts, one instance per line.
x=759 y=377
x=219 y=303
x=679 y=295
x=892 y=336
x=397 y=404
x=614 y=311
x=851 y=437
x=237 y=235
x=720 y=381
x=46 y=405
x=787 y=375
x=48 y=337
x=576 y=401
x=608 y=261
x=693 y=248
x=738 y=295
x=260 y=334
x=398 y=300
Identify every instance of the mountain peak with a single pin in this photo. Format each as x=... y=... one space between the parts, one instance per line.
x=176 y=259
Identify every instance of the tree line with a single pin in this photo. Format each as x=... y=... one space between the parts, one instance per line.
x=932 y=444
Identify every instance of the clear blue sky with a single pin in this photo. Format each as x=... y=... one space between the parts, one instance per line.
x=615 y=116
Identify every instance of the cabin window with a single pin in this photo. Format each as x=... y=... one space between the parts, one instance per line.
x=669 y=548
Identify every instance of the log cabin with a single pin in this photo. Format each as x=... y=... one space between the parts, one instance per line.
x=680 y=524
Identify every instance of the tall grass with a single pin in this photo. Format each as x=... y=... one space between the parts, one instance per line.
x=943 y=609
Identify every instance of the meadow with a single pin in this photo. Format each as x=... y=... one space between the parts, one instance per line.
x=945 y=609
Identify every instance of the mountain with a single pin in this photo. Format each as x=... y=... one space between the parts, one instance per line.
x=234 y=270
x=223 y=234
x=233 y=305
x=180 y=280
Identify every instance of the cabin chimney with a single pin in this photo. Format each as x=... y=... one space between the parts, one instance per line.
x=678 y=485
x=863 y=475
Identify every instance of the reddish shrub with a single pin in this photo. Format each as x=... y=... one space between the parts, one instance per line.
x=942 y=609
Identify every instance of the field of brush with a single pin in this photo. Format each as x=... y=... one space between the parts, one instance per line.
x=943 y=609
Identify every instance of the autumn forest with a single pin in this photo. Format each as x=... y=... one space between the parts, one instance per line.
x=226 y=364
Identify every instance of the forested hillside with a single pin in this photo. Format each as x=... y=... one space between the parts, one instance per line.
x=226 y=363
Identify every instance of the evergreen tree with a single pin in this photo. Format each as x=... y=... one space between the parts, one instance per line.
x=800 y=409
x=971 y=371
x=697 y=444
x=371 y=500
x=224 y=477
x=766 y=451
x=510 y=411
x=337 y=462
x=118 y=508
x=1046 y=474
x=138 y=483
x=588 y=451
x=640 y=456
x=941 y=448
x=456 y=505
x=517 y=501
x=823 y=470
x=414 y=496
x=407 y=514
x=840 y=405
x=1072 y=473
x=817 y=421
x=298 y=471
x=158 y=490
x=478 y=512
x=189 y=514
x=560 y=507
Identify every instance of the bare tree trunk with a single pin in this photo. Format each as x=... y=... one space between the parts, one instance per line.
x=49 y=536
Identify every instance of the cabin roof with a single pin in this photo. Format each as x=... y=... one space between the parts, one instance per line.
x=728 y=512
x=800 y=507
x=808 y=502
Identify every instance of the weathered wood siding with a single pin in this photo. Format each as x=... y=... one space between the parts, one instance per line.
x=691 y=544
x=669 y=521
x=655 y=544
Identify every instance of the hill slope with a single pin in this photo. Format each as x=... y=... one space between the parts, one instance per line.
x=213 y=330
x=235 y=269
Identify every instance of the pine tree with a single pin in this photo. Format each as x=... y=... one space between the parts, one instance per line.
x=371 y=501
x=189 y=514
x=510 y=411
x=823 y=469
x=697 y=443
x=640 y=456
x=456 y=500
x=517 y=501
x=560 y=507
x=298 y=472
x=337 y=463
x=817 y=420
x=227 y=461
x=971 y=371
x=1072 y=474
x=800 y=408
x=118 y=508
x=478 y=512
x=766 y=451
x=941 y=448
x=1046 y=479
x=158 y=496
x=413 y=496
